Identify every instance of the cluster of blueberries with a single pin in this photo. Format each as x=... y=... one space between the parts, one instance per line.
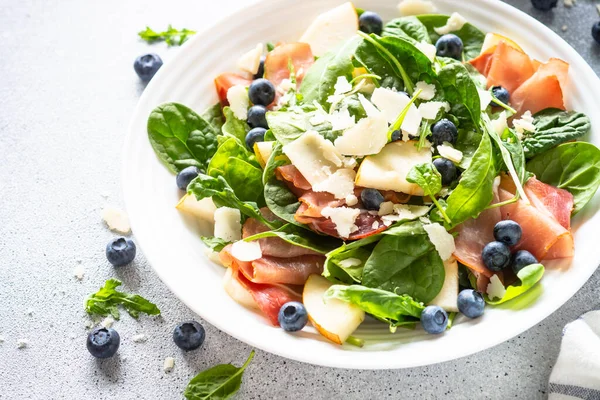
x=497 y=255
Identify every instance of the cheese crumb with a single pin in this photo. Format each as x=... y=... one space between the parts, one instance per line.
x=375 y=225
x=495 y=289
x=250 y=61
x=386 y=208
x=341 y=119
x=237 y=96
x=455 y=23
x=246 y=251
x=350 y=262
x=524 y=124
x=168 y=364
x=343 y=218
x=485 y=98
x=107 y=322
x=428 y=49
x=340 y=183
x=447 y=151
x=428 y=90
x=79 y=272
x=342 y=85
x=351 y=200
x=317 y=119
x=441 y=239
x=227 y=224
x=500 y=124
x=416 y=7
x=139 y=338
x=569 y=3
x=349 y=162
x=22 y=343
x=370 y=109
x=116 y=219
x=564 y=28
x=404 y=212
x=430 y=109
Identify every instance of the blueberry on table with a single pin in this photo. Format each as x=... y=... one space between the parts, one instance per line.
x=522 y=259
x=257 y=117
x=185 y=176
x=147 y=65
x=544 y=5
x=103 y=342
x=508 y=232
x=261 y=92
x=370 y=22
x=444 y=131
x=189 y=335
x=434 y=319
x=447 y=170
x=255 y=135
x=292 y=316
x=450 y=46
x=501 y=94
x=596 y=31
x=496 y=256
x=261 y=68
x=120 y=251
x=371 y=199
x=470 y=303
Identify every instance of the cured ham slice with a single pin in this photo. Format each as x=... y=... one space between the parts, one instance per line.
x=291 y=174
x=508 y=67
x=554 y=201
x=225 y=81
x=276 y=62
x=314 y=202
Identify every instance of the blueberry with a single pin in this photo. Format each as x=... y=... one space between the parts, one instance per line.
x=120 y=251
x=496 y=256
x=257 y=117
x=185 y=176
x=508 y=232
x=446 y=168
x=292 y=316
x=444 y=131
x=370 y=22
x=261 y=68
x=434 y=319
x=261 y=92
x=501 y=94
x=471 y=303
x=189 y=335
x=147 y=65
x=596 y=31
x=522 y=259
x=255 y=135
x=544 y=5
x=396 y=135
x=371 y=199
x=103 y=342
x=449 y=45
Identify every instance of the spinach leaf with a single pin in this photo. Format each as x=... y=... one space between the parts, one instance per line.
x=479 y=80
x=214 y=116
x=571 y=166
x=180 y=137
x=429 y=179
x=233 y=126
x=471 y=37
x=318 y=83
x=288 y=126
x=409 y=28
x=346 y=265
x=529 y=276
x=405 y=261
x=220 y=382
x=300 y=237
x=214 y=243
x=468 y=143
x=460 y=91
x=553 y=127
x=106 y=300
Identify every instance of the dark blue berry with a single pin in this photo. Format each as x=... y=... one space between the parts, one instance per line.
x=257 y=117
x=444 y=131
x=496 y=256
x=544 y=5
x=522 y=259
x=370 y=22
x=185 y=176
x=447 y=170
x=261 y=68
x=120 y=251
x=434 y=319
x=261 y=92
x=508 y=232
x=147 y=65
x=470 y=303
x=371 y=199
x=255 y=135
x=189 y=335
x=449 y=45
x=501 y=94
x=596 y=31
x=103 y=342
x=396 y=135
x=292 y=316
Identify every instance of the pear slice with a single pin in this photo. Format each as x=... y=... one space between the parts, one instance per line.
x=331 y=28
x=447 y=297
x=263 y=151
x=203 y=209
x=492 y=39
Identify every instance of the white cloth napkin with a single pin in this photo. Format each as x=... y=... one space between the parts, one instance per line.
x=576 y=374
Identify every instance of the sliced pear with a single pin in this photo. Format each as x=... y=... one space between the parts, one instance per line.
x=387 y=170
x=237 y=292
x=331 y=28
x=203 y=209
x=334 y=319
x=263 y=151
x=448 y=296
x=492 y=39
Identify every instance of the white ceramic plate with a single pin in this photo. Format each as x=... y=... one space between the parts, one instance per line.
x=171 y=244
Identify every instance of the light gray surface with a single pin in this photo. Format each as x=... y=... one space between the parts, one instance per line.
x=67 y=90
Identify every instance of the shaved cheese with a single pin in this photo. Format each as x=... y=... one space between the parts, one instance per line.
x=246 y=251
x=392 y=104
x=387 y=207
x=368 y=136
x=351 y=200
x=343 y=218
x=524 y=124
x=441 y=239
x=227 y=224
x=370 y=109
x=430 y=109
x=342 y=85
x=500 y=124
x=447 y=151
x=317 y=119
x=485 y=98
x=340 y=183
x=416 y=7
x=427 y=90
x=310 y=153
x=237 y=96
x=349 y=162
x=404 y=212
x=169 y=364
x=454 y=23
x=349 y=262
x=341 y=119
x=116 y=219
x=495 y=289
x=428 y=49
x=250 y=61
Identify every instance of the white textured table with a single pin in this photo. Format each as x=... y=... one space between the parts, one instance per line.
x=67 y=90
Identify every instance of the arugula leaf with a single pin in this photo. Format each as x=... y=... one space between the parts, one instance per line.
x=300 y=237
x=106 y=300
x=214 y=116
x=529 y=276
x=409 y=28
x=172 y=36
x=471 y=36
x=288 y=126
x=214 y=243
x=571 y=166
x=460 y=91
x=515 y=147
x=233 y=126
x=180 y=137
x=220 y=382
x=553 y=127
x=430 y=180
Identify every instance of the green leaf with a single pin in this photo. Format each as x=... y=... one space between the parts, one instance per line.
x=553 y=127
x=528 y=276
x=427 y=177
x=214 y=116
x=409 y=28
x=460 y=91
x=514 y=146
x=337 y=268
x=292 y=234
x=288 y=126
x=180 y=137
x=233 y=126
x=106 y=300
x=471 y=36
x=172 y=36
x=220 y=382
x=571 y=166
x=468 y=143
x=214 y=243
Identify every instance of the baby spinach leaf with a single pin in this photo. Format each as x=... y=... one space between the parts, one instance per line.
x=337 y=269
x=553 y=127
x=471 y=36
x=288 y=126
x=571 y=166
x=300 y=237
x=214 y=116
x=460 y=91
x=180 y=137
x=529 y=276
x=468 y=143
x=220 y=382
x=233 y=126
x=214 y=243
x=429 y=179
x=106 y=300
x=409 y=28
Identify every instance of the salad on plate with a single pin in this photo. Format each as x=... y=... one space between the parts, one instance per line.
x=408 y=171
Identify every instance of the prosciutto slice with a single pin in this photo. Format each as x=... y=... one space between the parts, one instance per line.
x=276 y=62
